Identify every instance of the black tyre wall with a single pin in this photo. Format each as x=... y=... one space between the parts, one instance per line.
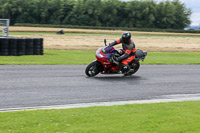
x=37 y=46
x=21 y=46
x=4 y=46
x=29 y=46
x=12 y=48
x=41 y=46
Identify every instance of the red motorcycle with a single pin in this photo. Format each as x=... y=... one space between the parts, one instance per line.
x=105 y=64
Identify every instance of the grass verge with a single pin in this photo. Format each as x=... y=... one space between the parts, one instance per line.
x=99 y=34
x=178 y=117
x=79 y=57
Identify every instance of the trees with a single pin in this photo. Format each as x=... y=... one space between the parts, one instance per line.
x=10 y=9
x=165 y=15
x=108 y=13
x=141 y=14
x=181 y=14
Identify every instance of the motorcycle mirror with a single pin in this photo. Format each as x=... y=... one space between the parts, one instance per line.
x=105 y=42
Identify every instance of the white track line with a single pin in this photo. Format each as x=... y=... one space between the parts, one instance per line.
x=163 y=99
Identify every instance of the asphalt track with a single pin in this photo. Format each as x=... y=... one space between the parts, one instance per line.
x=45 y=85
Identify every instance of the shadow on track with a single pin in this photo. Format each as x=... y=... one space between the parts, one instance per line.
x=116 y=78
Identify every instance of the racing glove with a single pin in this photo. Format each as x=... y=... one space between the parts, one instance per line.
x=120 y=51
x=116 y=59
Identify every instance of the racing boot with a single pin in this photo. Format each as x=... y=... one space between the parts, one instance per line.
x=125 y=69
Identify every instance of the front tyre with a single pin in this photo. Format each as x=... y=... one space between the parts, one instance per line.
x=91 y=70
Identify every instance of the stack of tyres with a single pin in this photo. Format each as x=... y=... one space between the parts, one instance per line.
x=41 y=46
x=29 y=46
x=12 y=48
x=4 y=46
x=37 y=45
x=21 y=46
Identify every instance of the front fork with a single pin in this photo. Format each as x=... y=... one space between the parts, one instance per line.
x=99 y=66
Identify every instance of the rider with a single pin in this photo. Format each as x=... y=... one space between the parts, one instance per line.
x=128 y=51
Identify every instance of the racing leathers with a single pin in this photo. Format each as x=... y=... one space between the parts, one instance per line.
x=128 y=52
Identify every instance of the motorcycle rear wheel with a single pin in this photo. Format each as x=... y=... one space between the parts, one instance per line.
x=134 y=68
x=91 y=70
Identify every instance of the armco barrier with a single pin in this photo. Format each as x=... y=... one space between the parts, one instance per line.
x=21 y=46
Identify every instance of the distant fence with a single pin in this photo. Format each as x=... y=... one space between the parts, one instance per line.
x=21 y=46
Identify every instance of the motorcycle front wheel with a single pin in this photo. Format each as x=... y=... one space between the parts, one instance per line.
x=91 y=70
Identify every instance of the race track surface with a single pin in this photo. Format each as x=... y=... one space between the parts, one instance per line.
x=44 y=85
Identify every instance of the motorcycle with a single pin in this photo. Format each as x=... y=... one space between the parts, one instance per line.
x=105 y=64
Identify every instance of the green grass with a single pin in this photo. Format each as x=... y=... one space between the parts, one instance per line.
x=172 y=58
x=95 y=34
x=183 y=117
x=78 y=57
x=52 y=57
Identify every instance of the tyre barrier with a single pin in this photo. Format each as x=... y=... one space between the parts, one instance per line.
x=29 y=46
x=21 y=46
x=12 y=47
x=4 y=46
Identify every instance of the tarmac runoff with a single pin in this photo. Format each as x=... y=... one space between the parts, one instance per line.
x=162 y=99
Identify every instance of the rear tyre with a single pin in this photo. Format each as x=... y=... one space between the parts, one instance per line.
x=134 y=67
x=92 y=69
